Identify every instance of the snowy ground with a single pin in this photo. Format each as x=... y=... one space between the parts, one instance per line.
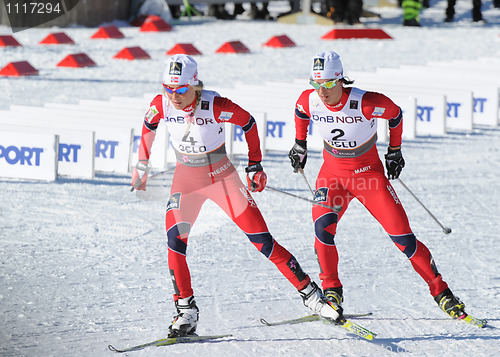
x=83 y=263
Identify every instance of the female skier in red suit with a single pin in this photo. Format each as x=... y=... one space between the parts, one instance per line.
x=195 y=119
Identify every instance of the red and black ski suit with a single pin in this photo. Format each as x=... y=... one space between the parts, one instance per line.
x=203 y=171
x=352 y=169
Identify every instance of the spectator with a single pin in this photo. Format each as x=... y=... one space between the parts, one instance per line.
x=260 y=13
x=219 y=11
x=477 y=16
x=348 y=11
x=411 y=12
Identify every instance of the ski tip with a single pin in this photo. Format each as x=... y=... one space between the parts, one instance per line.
x=358 y=330
x=112 y=348
x=264 y=322
x=475 y=321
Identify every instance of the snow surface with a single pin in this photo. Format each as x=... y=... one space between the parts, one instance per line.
x=83 y=262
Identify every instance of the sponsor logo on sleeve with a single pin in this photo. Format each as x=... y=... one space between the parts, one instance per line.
x=300 y=108
x=378 y=111
x=151 y=113
x=225 y=116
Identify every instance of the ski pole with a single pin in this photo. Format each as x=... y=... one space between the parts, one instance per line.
x=152 y=176
x=335 y=208
x=301 y=170
x=446 y=230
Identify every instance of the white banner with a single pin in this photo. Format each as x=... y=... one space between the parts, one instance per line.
x=112 y=149
x=28 y=156
x=236 y=143
x=158 y=158
x=76 y=149
x=76 y=154
x=112 y=141
x=485 y=92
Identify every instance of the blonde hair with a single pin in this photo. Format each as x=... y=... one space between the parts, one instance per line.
x=198 y=89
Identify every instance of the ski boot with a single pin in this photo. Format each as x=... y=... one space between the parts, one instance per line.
x=315 y=300
x=186 y=320
x=450 y=304
x=335 y=295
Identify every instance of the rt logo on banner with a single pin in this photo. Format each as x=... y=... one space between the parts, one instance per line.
x=26 y=14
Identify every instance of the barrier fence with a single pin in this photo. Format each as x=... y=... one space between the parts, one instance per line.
x=78 y=140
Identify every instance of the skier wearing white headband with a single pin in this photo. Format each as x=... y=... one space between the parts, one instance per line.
x=195 y=119
x=346 y=118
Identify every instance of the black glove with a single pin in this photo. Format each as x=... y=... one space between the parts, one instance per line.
x=394 y=163
x=298 y=155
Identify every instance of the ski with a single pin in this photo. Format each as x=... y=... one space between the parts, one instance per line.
x=358 y=330
x=168 y=341
x=308 y=318
x=474 y=321
x=346 y=324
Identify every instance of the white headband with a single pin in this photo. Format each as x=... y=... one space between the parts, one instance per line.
x=327 y=65
x=180 y=70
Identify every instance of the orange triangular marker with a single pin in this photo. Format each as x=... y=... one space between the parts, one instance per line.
x=132 y=53
x=8 y=41
x=77 y=60
x=279 y=41
x=233 y=47
x=155 y=24
x=21 y=68
x=110 y=31
x=59 y=38
x=338 y=34
x=184 y=48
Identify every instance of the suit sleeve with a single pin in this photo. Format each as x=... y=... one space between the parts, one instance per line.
x=377 y=105
x=151 y=121
x=302 y=115
x=227 y=111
